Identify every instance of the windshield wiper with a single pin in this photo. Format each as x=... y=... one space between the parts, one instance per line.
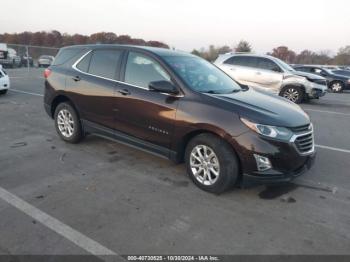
x=211 y=92
x=216 y=92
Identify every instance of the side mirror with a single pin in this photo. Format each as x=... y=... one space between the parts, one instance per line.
x=163 y=87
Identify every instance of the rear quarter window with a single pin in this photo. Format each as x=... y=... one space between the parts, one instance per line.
x=64 y=55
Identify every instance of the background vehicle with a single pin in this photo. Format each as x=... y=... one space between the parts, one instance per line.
x=45 y=60
x=181 y=107
x=9 y=57
x=337 y=83
x=271 y=74
x=4 y=81
x=25 y=61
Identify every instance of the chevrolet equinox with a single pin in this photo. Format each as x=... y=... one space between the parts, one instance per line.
x=181 y=107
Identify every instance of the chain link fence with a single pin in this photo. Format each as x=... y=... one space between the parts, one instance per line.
x=24 y=60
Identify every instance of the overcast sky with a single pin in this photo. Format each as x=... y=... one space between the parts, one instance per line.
x=187 y=24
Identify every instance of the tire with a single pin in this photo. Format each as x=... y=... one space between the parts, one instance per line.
x=223 y=161
x=3 y=92
x=293 y=93
x=337 y=87
x=67 y=123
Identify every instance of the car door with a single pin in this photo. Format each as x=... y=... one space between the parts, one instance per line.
x=3 y=82
x=142 y=113
x=92 y=85
x=240 y=68
x=268 y=74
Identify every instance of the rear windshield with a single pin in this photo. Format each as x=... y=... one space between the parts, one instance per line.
x=64 y=55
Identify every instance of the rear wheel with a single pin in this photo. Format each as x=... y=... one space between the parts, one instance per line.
x=3 y=92
x=211 y=163
x=293 y=93
x=67 y=123
x=337 y=87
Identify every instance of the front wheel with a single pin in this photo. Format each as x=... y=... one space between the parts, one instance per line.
x=3 y=92
x=67 y=123
x=211 y=163
x=293 y=93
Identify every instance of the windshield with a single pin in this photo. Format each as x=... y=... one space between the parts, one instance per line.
x=284 y=65
x=201 y=75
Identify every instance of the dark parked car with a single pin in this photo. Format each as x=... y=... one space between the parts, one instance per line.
x=181 y=107
x=336 y=82
x=25 y=61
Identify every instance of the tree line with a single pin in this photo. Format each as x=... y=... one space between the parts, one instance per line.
x=282 y=52
x=56 y=39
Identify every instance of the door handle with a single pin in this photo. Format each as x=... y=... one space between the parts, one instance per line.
x=76 y=78
x=258 y=73
x=124 y=92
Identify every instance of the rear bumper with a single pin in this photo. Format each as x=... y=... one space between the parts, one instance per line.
x=48 y=109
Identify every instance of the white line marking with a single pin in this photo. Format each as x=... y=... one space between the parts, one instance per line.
x=328 y=112
x=66 y=231
x=334 y=148
x=24 y=92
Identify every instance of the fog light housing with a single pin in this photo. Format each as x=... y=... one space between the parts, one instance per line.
x=263 y=163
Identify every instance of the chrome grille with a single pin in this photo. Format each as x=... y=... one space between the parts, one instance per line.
x=303 y=139
x=305 y=143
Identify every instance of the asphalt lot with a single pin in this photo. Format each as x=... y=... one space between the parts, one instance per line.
x=100 y=196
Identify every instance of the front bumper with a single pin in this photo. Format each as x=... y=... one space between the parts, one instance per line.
x=287 y=163
x=273 y=176
x=317 y=93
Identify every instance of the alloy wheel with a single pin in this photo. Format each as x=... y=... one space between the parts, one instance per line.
x=204 y=165
x=291 y=94
x=336 y=87
x=65 y=123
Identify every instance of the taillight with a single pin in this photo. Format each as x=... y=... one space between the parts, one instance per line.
x=47 y=73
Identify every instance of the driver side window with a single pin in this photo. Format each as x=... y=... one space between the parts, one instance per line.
x=267 y=64
x=141 y=70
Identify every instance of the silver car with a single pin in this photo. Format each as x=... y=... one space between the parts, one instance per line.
x=45 y=60
x=272 y=74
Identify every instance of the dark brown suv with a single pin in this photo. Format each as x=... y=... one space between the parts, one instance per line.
x=181 y=107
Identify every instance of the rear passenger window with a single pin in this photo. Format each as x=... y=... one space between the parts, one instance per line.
x=141 y=70
x=105 y=63
x=83 y=65
x=234 y=60
x=248 y=61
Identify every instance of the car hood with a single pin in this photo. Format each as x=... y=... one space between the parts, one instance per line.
x=308 y=75
x=265 y=108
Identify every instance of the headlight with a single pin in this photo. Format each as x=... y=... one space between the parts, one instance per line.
x=276 y=132
x=349 y=81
